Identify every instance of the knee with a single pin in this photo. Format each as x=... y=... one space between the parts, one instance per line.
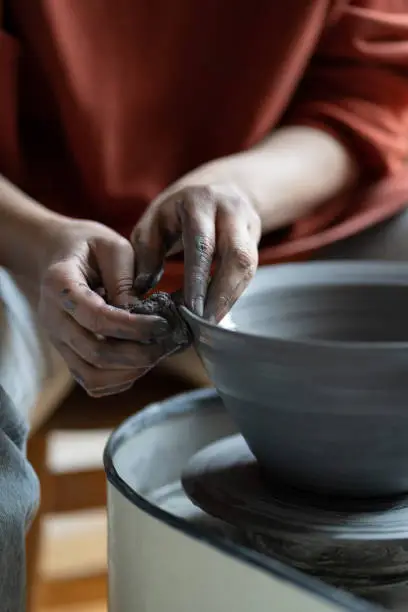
x=19 y=487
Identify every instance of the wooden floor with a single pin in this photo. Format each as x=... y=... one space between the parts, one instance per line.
x=90 y=608
x=82 y=608
x=75 y=545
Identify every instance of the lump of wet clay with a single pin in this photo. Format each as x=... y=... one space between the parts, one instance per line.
x=164 y=305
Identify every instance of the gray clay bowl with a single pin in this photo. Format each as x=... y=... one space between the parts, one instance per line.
x=316 y=374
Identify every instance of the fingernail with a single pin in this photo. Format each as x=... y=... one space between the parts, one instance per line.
x=144 y=282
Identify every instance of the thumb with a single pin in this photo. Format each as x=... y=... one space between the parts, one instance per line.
x=150 y=253
x=116 y=262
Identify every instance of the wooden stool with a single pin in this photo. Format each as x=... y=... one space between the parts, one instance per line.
x=80 y=490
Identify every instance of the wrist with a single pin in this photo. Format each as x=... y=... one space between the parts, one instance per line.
x=28 y=233
x=46 y=228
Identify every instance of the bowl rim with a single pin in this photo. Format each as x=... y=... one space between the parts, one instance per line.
x=398 y=277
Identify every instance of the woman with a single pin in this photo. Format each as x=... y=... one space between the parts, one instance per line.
x=195 y=127
x=132 y=131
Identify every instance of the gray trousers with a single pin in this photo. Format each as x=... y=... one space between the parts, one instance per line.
x=21 y=364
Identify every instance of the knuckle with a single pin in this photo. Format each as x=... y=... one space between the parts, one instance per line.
x=121 y=244
x=54 y=278
x=205 y=246
x=198 y=195
x=96 y=229
x=233 y=202
x=107 y=241
x=201 y=192
x=244 y=260
x=100 y=236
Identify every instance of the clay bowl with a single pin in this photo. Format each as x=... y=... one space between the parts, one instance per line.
x=316 y=374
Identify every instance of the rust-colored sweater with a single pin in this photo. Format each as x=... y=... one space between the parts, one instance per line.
x=103 y=104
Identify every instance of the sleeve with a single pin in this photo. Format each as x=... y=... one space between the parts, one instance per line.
x=356 y=86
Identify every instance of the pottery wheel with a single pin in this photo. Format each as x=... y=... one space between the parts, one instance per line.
x=361 y=546
x=225 y=480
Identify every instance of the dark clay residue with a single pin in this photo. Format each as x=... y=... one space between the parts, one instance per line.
x=164 y=305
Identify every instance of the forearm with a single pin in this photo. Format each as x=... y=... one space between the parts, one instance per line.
x=26 y=230
x=290 y=173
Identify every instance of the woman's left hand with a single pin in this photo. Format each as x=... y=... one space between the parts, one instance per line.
x=210 y=222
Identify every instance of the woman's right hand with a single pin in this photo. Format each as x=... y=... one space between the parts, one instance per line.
x=105 y=347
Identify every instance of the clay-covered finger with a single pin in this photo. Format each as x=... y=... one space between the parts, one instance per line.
x=116 y=264
x=98 y=382
x=197 y=212
x=66 y=284
x=96 y=393
x=236 y=266
x=150 y=251
x=108 y=353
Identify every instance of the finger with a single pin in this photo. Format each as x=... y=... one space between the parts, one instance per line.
x=197 y=211
x=149 y=250
x=108 y=353
x=238 y=261
x=110 y=390
x=98 y=382
x=97 y=393
x=66 y=283
x=116 y=263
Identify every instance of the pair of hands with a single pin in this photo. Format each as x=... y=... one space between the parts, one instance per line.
x=89 y=272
